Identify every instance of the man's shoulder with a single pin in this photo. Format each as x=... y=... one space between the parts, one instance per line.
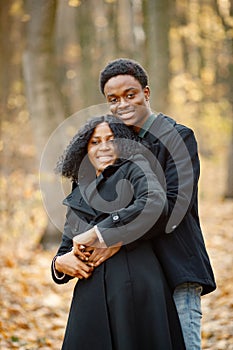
x=166 y=119
x=164 y=125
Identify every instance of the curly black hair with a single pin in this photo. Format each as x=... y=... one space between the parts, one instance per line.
x=123 y=66
x=69 y=163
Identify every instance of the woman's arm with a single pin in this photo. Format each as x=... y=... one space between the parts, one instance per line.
x=66 y=265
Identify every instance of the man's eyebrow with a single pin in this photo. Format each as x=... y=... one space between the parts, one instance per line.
x=126 y=90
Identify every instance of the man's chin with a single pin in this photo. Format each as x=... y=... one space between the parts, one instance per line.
x=128 y=120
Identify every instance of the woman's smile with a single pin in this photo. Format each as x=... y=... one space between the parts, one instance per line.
x=101 y=149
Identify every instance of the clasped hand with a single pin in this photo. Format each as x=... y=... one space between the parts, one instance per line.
x=87 y=247
x=87 y=253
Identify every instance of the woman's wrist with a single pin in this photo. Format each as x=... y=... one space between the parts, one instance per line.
x=57 y=272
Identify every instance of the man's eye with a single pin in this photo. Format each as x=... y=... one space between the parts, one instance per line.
x=113 y=100
x=130 y=96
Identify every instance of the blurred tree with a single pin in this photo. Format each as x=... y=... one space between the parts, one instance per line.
x=225 y=11
x=44 y=100
x=11 y=46
x=157 y=26
x=82 y=46
x=68 y=52
x=6 y=48
x=68 y=43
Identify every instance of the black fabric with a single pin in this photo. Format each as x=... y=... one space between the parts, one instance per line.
x=182 y=252
x=125 y=305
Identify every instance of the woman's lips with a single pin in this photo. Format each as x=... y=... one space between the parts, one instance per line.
x=105 y=158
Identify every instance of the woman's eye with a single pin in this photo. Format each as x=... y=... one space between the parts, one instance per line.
x=94 y=142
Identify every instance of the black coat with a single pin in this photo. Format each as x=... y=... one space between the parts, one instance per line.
x=181 y=251
x=126 y=304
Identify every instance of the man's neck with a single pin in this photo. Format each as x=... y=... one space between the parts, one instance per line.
x=138 y=127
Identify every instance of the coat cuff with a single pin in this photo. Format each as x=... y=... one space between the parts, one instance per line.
x=100 y=237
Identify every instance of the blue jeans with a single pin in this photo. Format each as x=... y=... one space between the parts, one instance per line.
x=187 y=298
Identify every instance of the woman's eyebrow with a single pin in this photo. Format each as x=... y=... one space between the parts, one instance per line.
x=98 y=136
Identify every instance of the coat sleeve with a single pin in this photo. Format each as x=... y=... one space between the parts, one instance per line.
x=149 y=202
x=181 y=170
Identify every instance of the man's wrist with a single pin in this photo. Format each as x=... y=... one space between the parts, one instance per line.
x=100 y=238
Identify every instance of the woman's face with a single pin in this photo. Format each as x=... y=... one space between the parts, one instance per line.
x=100 y=148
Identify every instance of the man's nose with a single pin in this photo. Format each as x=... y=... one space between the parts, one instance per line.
x=122 y=102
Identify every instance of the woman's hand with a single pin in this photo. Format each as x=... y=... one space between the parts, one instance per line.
x=71 y=265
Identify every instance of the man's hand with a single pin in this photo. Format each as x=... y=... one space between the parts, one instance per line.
x=83 y=242
x=88 y=248
x=99 y=255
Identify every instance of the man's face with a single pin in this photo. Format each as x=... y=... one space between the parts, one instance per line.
x=128 y=100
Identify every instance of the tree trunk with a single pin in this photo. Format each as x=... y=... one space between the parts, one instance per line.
x=11 y=46
x=226 y=16
x=6 y=56
x=229 y=186
x=229 y=181
x=157 y=24
x=44 y=103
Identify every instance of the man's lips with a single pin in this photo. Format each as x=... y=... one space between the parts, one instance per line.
x=125 y=112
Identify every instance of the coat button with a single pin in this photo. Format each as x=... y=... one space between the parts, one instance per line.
x=115 y=217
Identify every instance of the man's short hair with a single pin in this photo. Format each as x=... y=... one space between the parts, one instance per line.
x=123 y=66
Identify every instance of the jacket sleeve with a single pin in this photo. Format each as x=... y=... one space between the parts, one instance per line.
x=149 y=202
x=182 y=170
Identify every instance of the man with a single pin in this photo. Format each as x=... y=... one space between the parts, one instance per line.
x=180 y=247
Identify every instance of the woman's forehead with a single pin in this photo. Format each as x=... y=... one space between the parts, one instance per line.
x=102 y=129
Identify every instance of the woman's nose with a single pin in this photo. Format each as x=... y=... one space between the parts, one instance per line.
x=104 y=145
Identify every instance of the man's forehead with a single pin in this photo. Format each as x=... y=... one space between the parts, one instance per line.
x=123 y=82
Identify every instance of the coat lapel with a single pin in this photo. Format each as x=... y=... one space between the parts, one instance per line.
x=75 y=200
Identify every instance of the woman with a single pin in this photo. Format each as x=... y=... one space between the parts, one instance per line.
x=123 y=303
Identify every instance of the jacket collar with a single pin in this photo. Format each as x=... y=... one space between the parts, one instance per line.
x=81 y=196
x=76 y=200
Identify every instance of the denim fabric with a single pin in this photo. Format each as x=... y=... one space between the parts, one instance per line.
x=187 y=298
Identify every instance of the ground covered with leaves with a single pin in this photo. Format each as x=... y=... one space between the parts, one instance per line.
x=34 y=310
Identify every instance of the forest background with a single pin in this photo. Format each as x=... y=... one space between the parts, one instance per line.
x=51 y=53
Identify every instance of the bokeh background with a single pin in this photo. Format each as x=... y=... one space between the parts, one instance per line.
x=51 y=53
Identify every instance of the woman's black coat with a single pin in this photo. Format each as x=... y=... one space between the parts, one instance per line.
x=126 y=304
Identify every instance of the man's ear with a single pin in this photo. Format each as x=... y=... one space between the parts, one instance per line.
x=147 y=92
